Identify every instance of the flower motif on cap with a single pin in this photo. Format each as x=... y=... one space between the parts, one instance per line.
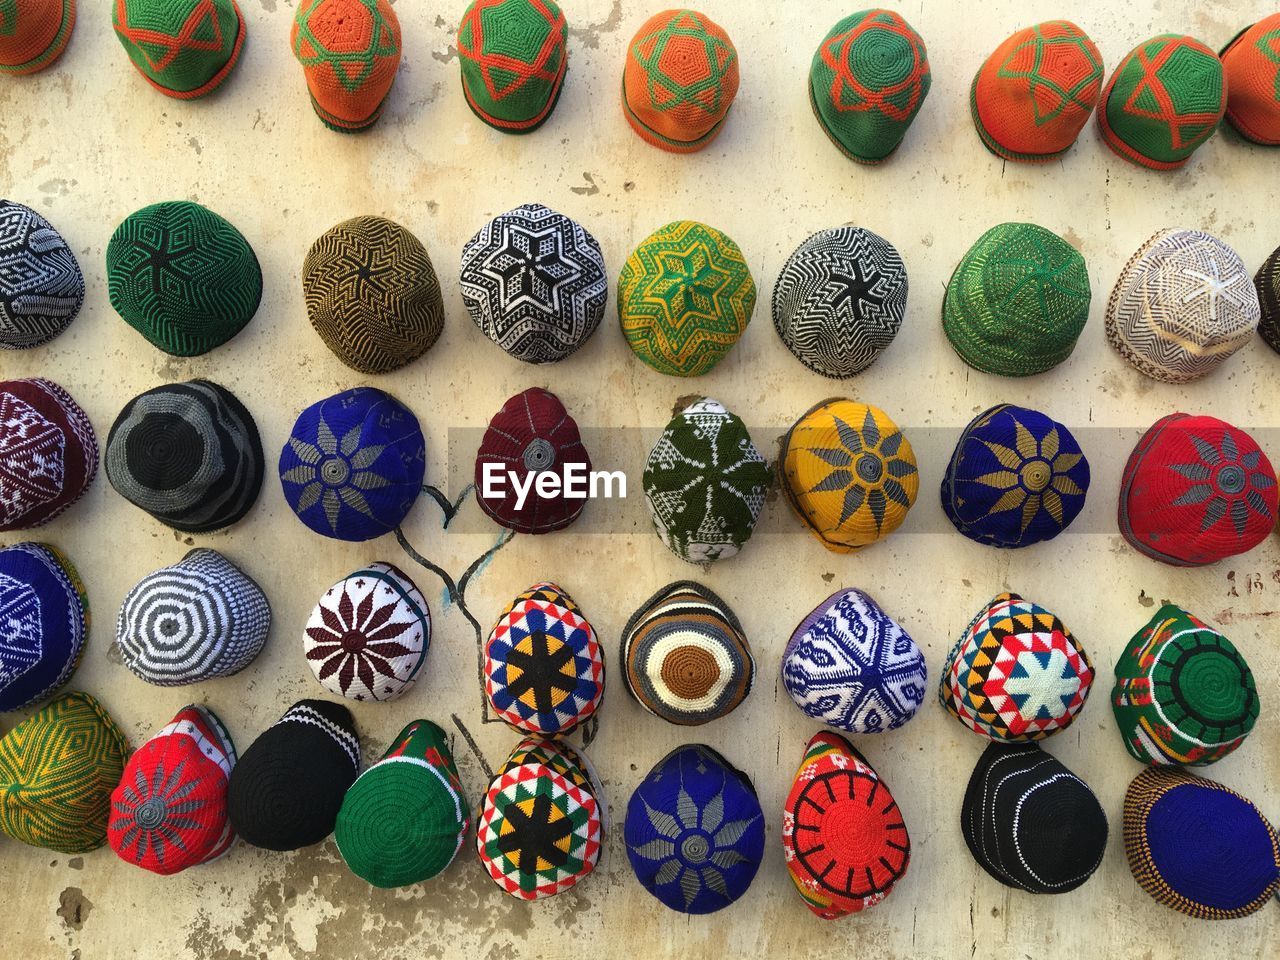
x=866 y=466
x=1036 y=475
x=334 y=471
x=155 y=809
x=1225 y=482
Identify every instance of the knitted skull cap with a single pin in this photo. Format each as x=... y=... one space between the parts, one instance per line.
x=1198 y=847
x=41 y=286
x=189 y=454
x=852 y=666
x=184 y=48
x=368 y=637
x=541 y=822
x=349 y=51
x=513 y=59
x=1017 y=302
x=1183 y=693
x=532 y=434
x=198 y=620
x=1196 y=490
x=34 y=33
x=183 y=277
x=1017 y=477
x=1031 y=98
x=1251 y=63
x=48 y=452
x=839 y=300
x=1163 y=101
x=169 y=811
x=1030 y=822
x=1016 y=673
x=404 y=819
x=372 y=294
x=1267 y=282
x=543 y=665
x=685 y=657
x=286 y=790
x=57 y=771
x=685 y=298
x=1182 y=305
x=705 y=483
x=679 y=81
x=534 y=282
x=46 y=619
x=352 y=468
x=867 y=82
x=695 y=831
x=849 y=474
x=843 y=836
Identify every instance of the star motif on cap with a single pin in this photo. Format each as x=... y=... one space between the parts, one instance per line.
x=1214 y=286
x=532 y=266
x=1068 y=55
x=1042 y=683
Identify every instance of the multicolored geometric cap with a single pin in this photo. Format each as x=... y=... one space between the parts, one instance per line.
x=349 y=51
x=34 y=33
x=41 y=286
x=513 y=59
x=48 y=452
x=1267 y=282
x=45 y=612
x=184 y=48
x=1251 y=62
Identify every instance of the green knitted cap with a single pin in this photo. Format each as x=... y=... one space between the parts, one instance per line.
x=183 y=277
x=513 y=61
x=1017 y=302
x=185 y=48
x=867 y=82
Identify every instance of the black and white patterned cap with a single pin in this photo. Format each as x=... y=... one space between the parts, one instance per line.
x=41 y=286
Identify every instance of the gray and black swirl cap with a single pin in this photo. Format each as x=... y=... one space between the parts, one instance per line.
x=188 y=454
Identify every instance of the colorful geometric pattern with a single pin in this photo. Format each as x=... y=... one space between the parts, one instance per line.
x=839 y=300
x=849 y=474
x=1251 y=62
x=41 y=286
x=679 y=81
x=513 y=61
x=45 y=614
x=1016 y=673
x=543 y=666
x=1267 y=282
x=1163 y=101
x=184 y=48
x=350 y=52
x=33 y=33
x=1031 y=98
x=867 y=82
x=685 y=297
x=48 y=452
x=1183 y=694
x=852 y=666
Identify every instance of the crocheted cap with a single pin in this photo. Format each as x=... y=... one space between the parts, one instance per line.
x=1267 y=282
x=372 y=294
x=867 y=82
x=34 y=34
x=849 y=474
x=685 y=297
x=169 y=811
x=534 y=282
x=685 y=657
x=1016 y=673
x=852 y=666
x=1182 y=305
x=513 y=61
x=57 y=771
x=1163 y=101
x=48 y=452
x=368 y=637
x=532 y=434
x=843 y=836
x=1196 y=490
x=1183 y=693
x=541 y=822
x=183 y=277
x=705 y=483
x=184 y=48
x=1030 y=822
x=1017 y=302
x=543 y=666
x=1251 y=64
x=1017 y=477
x=188 y=454
x=679 y=81
x=286 y=790
x=46 y=615
x=403 y=821
x=350 y=52
x=1198 y=847
x=41 y=286
x=352 y=468
x=198 y=620
x=695 y=831
x=839 y=300
x=1031 y=98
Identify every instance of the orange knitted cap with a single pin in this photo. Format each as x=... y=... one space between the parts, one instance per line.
x=350 y=52
x=34 y=33
x=1252 y=62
